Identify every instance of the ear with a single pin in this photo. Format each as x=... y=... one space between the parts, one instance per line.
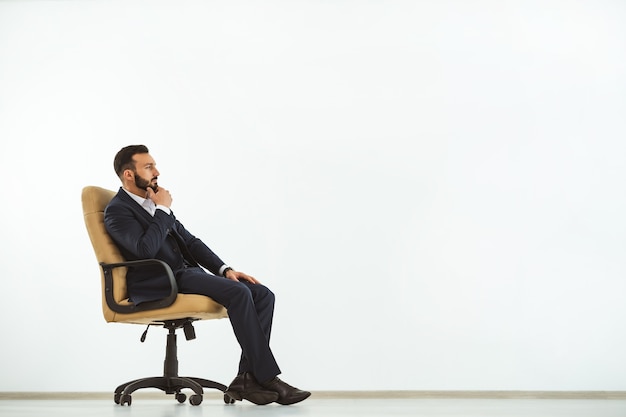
x=128 y=175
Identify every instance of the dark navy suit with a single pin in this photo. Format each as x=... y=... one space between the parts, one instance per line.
x=140 y=236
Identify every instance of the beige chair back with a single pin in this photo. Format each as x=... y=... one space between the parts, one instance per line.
x=95 y=200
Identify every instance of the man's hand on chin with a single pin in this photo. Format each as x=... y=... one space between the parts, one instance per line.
x=161 y=197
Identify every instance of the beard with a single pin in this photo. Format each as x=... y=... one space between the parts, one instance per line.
x=144 y=184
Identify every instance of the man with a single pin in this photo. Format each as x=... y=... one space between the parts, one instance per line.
x=141 y=223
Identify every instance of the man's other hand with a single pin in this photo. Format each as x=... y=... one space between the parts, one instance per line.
x=240 y=276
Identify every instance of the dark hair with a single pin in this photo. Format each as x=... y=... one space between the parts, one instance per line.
x=124 y=158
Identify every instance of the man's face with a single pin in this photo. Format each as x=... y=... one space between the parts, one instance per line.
x=146 y=174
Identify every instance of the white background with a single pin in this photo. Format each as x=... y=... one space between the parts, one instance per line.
x=433 y=189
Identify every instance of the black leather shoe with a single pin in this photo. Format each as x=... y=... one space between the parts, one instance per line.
x=286 y=393
x=246 y=387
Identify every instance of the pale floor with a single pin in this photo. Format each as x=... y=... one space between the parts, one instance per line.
x=324 y=407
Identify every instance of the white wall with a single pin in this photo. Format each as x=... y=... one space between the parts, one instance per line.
x=433 y=189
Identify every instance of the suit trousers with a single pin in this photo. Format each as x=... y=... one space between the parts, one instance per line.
x=250 y=310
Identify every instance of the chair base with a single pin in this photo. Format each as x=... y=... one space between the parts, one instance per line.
x=169 y=385
x=170 y=382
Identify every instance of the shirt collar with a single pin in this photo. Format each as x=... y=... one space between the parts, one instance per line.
x=146 y=203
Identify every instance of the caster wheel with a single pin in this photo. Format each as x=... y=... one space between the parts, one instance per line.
x=116 y=398
x=126 y=399
x=228 y=399
x=180 y=397
x=195 y=399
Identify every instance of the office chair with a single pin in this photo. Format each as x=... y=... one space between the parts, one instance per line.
x=174 y=312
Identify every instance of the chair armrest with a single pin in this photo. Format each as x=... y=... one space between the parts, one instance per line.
x=133 y=308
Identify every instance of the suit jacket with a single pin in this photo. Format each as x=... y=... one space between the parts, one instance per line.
x=139 y=235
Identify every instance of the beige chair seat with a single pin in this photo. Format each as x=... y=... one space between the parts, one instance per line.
x=196 y=306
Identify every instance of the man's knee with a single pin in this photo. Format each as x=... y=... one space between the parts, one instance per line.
x=269 y=294
x=241 y=291
x=263 y=295
x=253 y=293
